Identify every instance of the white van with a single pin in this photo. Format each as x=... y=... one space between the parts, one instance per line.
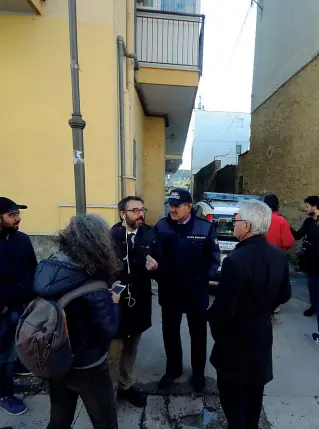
x=222 y=209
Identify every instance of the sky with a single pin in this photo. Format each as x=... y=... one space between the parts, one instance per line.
x=228 y=60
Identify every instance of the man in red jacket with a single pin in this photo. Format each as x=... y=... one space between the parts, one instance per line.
x=279 y=232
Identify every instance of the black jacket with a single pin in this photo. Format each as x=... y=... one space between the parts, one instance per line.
x=188 y=256
x=310 y=232
x=92 y=319
x=136 y=318
x=17 y=267
x=254 y=282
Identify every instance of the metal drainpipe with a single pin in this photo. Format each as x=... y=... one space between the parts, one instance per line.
x=122 y=52
x=76 y=122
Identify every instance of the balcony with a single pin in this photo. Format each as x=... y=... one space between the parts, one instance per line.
x=169 y=47
x=170 y=39
x=21 y=6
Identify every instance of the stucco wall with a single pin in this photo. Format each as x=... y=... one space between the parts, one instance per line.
x=154 y=168
x=284 y=154
x=35 y=84
x=287 y=38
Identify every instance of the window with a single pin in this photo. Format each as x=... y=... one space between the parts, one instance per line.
x=181 y=6
x=148 y=3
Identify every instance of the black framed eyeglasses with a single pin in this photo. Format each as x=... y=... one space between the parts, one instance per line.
x=137 y=211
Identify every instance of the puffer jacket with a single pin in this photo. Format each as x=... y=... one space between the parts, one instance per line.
x=92 y=319
x=188 y=256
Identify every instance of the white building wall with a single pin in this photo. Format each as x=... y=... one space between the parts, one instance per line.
x=287 y=38
x=216 y=135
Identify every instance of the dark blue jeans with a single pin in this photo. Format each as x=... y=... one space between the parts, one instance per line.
x=6 y=379
x=313 y=283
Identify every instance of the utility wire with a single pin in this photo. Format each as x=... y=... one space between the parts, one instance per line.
x=229 y=127
x=255 y=1
x=238 y=37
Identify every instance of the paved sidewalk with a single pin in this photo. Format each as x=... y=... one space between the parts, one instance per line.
x=291 y=400
x=178 y=410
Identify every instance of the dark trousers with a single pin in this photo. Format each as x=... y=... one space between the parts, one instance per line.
x=242 y=403
x=94 y=386
x=6 y=380
x=313 y=284
x=171 y=325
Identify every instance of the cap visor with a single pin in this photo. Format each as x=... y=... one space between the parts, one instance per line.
x=174 y=202
x=22 y=207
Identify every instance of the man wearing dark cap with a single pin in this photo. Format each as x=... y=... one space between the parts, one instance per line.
x=188 y=257
x=17 y=267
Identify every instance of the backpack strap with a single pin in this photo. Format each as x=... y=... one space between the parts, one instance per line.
x=80 y=291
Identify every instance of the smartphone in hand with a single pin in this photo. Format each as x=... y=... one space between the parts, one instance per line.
x=118 y=289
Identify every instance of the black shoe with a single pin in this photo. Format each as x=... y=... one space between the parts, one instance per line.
x=137 y=399
x=166 y=381
x=310 y=312
x=199 y=383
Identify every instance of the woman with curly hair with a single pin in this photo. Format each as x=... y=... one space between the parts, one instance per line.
x=85 y=255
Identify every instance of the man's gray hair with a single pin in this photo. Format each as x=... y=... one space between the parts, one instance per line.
x=258 y=214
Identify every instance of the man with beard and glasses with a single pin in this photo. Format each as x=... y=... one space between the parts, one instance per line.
x=134 y=243
x=309 y=231
x=17 y=268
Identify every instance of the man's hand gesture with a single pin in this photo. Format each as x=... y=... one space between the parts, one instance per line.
x=151 y=264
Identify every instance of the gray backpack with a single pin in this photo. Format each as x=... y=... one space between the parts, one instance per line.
x=42 y=336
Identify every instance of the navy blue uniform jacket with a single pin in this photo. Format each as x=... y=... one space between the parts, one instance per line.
x=188 y=256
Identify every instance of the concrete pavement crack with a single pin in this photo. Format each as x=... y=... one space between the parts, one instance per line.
x=143 y=418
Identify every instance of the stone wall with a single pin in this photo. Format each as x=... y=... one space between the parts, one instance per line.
x=205 y=180
x=284 y=149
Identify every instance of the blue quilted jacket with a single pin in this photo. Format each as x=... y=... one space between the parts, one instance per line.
x=92 y=319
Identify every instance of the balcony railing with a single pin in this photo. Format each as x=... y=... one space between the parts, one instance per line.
x=170 y=39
